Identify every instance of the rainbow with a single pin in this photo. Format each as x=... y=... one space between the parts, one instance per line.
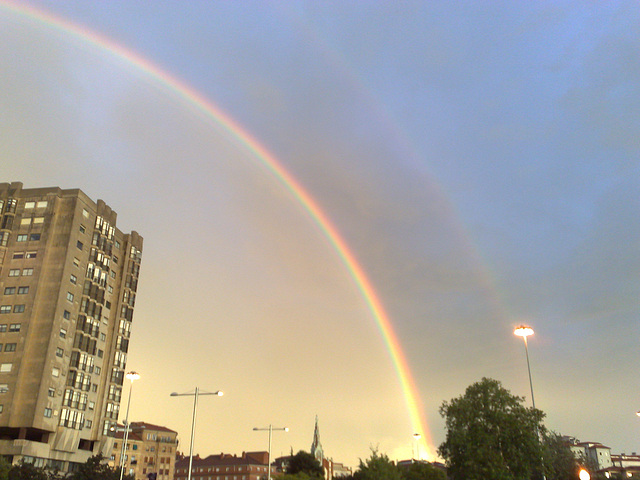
x=204 y=106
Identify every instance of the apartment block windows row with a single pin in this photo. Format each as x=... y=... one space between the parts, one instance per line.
x=12 y=309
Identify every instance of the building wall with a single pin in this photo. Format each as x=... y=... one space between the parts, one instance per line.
x=67 y=290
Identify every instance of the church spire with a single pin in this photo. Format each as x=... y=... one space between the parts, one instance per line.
x=316 y=446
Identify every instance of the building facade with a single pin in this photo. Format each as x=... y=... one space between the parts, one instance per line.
x=248 y=466
x=151 y=449
x=68 y=279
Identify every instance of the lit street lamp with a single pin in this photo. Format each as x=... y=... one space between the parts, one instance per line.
x=132 y=376
x=270 y=429
x=583 y=474
x=195 y=395
x=524 y=331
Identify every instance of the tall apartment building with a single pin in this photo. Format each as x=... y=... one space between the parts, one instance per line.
x=68 y=280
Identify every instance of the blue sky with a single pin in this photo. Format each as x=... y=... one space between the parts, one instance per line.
x=480 y=158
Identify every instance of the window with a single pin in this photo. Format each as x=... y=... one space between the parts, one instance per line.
x=14 y=327
x=27 y=272
x=115 y=259
x=79 y=245
x=113 y=274
x=85 y=213
x=14 y=272
x=41 y=204
x=76 y=262
x=34 y=237
x=70 y=296
x=59 y=352
x=82 y=229
x=18 y=309
x=94 y=388
x=28 y=205
x=21 y=238
x=73 y=279
x=97 y=370
x=117 y=244
x=38 y=220
x=63 y=333
x=4 y=388
x=103 y=337
x=23 y=290
x=55 y=371
x=5 y=367
x=48 y=412
x=9 y=290
x=88 y=423
x=3 y=328
x=25 y=221
x=100 y=353
x=66 y=314
x=10 y=347
x=52 y=392
x=5 y=309
x=92 y=405
x=31 y=254
x=18 y=255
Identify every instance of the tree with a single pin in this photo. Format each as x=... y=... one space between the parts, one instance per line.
x=96 y=469
x=491 y=435
x=377 y=467
x=423 y=471
x=28 y=471
x=304 y=462
x=559 y=461
x=5 y=467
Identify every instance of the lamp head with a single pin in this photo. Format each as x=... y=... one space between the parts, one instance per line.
x=132 y=376
x=174 y=394
x=523 y=331
x=219 y=393
x=286 y=429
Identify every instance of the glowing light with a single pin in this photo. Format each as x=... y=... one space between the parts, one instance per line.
x=523 y=331
x=584 y=475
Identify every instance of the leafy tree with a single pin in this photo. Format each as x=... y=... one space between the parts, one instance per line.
x=491 y=435
x=295 y=476
x=304 y=462
x=559 y=461
x=423 y=471
x=96 y=469
x=28 y=471
x=5 y=467
x=377 y=467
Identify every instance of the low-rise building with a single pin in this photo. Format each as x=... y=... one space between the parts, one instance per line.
x=248 y=466
x=151 y=449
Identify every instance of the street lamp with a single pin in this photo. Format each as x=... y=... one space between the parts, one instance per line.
x=270 y=428
x=524 y=331
x=195 y=395
x=132 y=376
x=583 y=474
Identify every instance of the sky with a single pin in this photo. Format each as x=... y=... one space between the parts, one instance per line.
x=478 y=159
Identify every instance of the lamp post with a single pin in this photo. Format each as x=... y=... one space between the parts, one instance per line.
x=195 y=395
x=270 y=429
x=132 y=376
x=524 y=331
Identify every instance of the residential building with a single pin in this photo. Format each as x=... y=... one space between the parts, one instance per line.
x=150 y=449
x=68 y=279
x=248 y=466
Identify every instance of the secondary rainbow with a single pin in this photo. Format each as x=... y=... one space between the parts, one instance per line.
x=212 y=113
